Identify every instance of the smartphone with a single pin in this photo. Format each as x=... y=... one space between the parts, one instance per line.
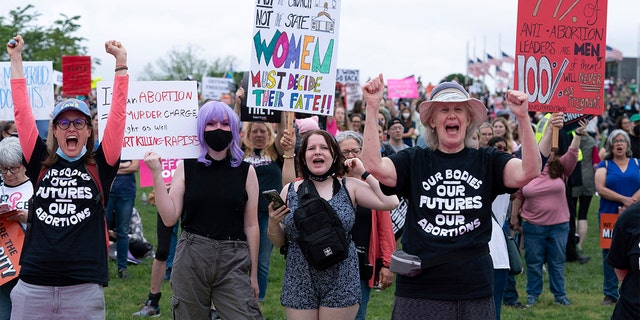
x=273 y=196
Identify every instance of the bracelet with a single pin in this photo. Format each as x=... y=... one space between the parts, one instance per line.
x=284 y=156
x=365 y=175
x=269 y=233
x=121 y=67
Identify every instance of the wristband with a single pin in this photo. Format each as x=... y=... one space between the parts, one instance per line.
x=121 y=67
x=365 y=175
x=284 y=156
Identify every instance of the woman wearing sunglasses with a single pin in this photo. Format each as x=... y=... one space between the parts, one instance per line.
x=64 y=258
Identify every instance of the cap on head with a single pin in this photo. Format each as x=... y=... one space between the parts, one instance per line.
x=635 y=117
x=71 y=104
x=453 y=92
x=393 y=122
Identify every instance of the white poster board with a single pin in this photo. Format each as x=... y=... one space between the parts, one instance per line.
x=161 y=117
x=352 y=89
x=214 y=88
x=39 y=76
x=293 y=56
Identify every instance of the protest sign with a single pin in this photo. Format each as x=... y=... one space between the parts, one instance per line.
x=11 y=240
x=161 y=117
x=607 y=222
x=168 y=169
x=39 y=77
x=560 y=55
x=293 y=57
x=402 y=88
x=76 y=75
x=215 y=88
x=351 y=87
x=255 y=113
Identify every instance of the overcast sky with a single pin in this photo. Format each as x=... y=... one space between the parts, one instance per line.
x=430 y=39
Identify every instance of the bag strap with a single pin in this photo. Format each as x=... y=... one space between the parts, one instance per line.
x=307 y=187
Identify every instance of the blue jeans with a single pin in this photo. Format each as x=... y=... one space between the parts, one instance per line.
x=545 y=244
x=121 y=207
x=610 y=284
x=499 y=280
x=264 y=255
x=366 y=292
x=172 y=245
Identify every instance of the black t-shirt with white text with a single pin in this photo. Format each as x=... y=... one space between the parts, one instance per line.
x=449 y=197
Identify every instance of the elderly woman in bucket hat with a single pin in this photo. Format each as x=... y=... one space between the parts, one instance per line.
x=450 y=187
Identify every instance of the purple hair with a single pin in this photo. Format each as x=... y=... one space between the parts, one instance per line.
x=217 y=111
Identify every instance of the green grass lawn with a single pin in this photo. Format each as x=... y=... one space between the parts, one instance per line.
x=583 y=284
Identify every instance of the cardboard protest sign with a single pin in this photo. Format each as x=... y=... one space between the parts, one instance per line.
x=215 y=88
x=255 y=113
x=76 y=75
x=402 y=88
x=161 y=117
x=560 y=55
x=39 y=77
x=607 y=222
x=293 y=57
x=351 y=87
x=168 y=169
x=11 y=240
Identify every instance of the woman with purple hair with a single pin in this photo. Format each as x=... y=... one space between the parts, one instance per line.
x=216 y=196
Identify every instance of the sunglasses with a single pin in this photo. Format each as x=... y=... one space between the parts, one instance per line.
x=500 y=147
x=64 y=124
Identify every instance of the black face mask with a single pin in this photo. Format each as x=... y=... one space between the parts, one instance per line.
x=218 y=139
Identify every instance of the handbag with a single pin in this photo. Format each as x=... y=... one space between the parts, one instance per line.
x=515 y=260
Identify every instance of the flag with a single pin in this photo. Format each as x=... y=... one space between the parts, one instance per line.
x=614 y=54
x=493 y=61
x=502 y=73
x=507 y=58
x=482 y=66
x=472 y=68
x=229 y=73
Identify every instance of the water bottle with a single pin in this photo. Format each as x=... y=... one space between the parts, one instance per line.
x=144 y=197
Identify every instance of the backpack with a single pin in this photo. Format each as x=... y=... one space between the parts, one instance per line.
x=323 y=240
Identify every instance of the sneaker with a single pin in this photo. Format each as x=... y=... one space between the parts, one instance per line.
x=213 y=315
x=531 y=300
x=148 y=311
x=562 y=301
x=516 y=305
x=607 y=301
x=123 y=274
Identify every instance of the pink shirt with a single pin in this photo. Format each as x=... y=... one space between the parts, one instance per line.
x=544 y=201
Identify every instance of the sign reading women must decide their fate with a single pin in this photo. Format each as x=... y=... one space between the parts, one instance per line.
x=560 y=55
x=161 y=117
x=293 y=57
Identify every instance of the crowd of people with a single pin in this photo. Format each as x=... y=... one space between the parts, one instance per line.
x=465 y=168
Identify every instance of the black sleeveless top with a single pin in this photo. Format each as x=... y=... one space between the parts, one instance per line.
x=214 y=199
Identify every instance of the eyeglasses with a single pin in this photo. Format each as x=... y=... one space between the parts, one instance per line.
x=13 y=170
x=354 y=151
x=619 y=141
x=78 y=123
x=500 y=147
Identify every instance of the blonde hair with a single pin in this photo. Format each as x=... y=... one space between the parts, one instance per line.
x=267 y=150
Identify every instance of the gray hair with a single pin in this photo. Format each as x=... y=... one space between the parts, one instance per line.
x=609 y=145
x=10 y=152
x=349 y=134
